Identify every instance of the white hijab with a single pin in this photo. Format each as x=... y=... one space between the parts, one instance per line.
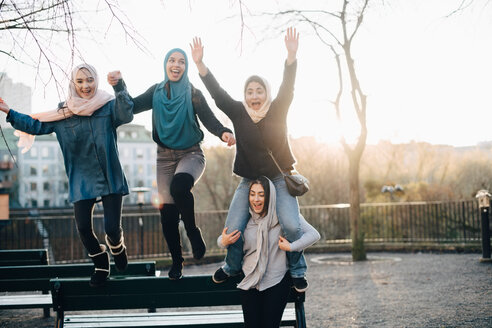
x=260 y=260
x=258 y=115
x=74 y=105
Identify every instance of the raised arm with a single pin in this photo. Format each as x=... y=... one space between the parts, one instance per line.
x=222 y=99
x=139 y=104
x=197 y=55
x=292 y=44
x=123 y=106
x=286 y=90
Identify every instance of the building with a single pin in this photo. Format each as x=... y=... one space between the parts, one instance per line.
x=38 y=178
x=138 y=154
x=42 y=177
x=17 y=95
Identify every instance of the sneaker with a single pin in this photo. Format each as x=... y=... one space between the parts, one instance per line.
x=220 y=276
x=176 y=271
x=300 y=284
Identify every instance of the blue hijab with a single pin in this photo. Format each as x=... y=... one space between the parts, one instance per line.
x=174 y=119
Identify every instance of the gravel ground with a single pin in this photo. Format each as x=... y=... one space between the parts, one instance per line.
x=388 y=290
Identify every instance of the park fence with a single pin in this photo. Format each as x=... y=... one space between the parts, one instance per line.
x=415 y=222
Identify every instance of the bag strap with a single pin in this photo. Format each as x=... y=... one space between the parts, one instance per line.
x=270 y=152
x=275 y=161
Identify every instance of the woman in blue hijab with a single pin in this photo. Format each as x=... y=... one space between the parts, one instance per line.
x=176 y=105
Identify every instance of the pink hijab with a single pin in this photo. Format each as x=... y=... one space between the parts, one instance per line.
x=74 y=105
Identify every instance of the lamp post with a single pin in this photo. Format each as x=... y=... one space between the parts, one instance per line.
x=140 y=201
x=484 y=205
x=391 y=190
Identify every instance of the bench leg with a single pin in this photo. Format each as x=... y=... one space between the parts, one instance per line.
x=300 y=315
x=46 y=310
x=59 y=319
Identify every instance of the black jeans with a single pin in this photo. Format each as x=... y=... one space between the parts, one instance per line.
x=264 y=309
x=83 y=211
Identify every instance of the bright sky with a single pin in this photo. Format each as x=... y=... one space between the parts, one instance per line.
x=425 y=74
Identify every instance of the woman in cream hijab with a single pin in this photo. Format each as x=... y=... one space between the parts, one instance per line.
x=85 y=126
x=260 y=126
x=266 y=284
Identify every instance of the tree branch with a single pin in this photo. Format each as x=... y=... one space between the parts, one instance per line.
x=359 y=19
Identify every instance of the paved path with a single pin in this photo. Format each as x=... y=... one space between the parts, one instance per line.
x=388 y=290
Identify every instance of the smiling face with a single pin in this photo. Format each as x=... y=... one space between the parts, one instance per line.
x=255 y=95
x=85 y=84
x=175 y=66
x=257 y=198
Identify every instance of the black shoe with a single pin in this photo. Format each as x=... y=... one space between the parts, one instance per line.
x=99 y=278
x=220 y=276
x=121 y=260
x=119 y=254
x=300 y=284
x=176 y=271
x=197 y=243
x=101 y=267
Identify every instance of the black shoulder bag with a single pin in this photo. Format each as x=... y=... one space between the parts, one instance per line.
x=297 y=184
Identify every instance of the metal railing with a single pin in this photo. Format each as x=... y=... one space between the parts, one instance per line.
x=417 y=222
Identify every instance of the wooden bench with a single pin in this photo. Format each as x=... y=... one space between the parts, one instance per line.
x=37 y=278
x=11 y=257
x=157 y=292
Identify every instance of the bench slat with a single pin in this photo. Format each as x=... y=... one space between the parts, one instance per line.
x=168 y=319
x=37 y=277
x=25 y=301
x=9 y=257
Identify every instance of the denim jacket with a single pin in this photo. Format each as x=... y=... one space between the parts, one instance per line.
x=89 y=148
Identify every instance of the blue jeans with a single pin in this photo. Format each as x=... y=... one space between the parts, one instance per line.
x=288 y=216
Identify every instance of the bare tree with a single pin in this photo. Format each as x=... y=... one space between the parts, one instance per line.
x=337 y=30
x=37 y=32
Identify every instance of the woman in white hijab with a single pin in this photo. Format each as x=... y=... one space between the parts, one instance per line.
x=260 y=127
x=266 y=284
x=85 y=126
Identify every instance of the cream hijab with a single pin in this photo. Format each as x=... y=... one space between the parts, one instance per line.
x=258 y=115
x=74 y=105
x=260 y=259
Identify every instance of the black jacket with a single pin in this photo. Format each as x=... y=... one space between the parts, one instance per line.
x=254 y=140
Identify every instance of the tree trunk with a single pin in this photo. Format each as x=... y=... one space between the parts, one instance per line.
x=357 y=235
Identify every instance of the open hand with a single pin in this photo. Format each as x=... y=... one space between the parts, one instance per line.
x=230 y=238
x=292 y=44
x=114 y=77
x=283 y=244
x=197 y=50
x=229 y=138
x=292 y=40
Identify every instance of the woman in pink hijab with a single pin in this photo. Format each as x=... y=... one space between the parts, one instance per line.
x=85 y=126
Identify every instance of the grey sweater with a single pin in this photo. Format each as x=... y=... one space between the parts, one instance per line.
x=277 y=261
